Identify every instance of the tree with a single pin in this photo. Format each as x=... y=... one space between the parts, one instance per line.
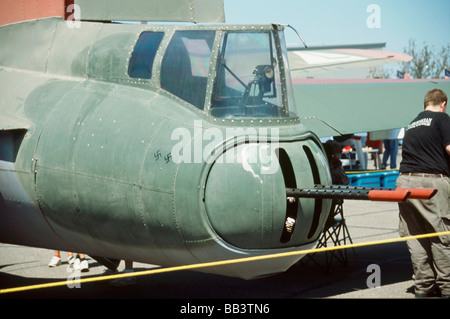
x=427 y=63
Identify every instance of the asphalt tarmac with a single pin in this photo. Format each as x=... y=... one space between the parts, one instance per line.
x=374 y=275
x=374 y=271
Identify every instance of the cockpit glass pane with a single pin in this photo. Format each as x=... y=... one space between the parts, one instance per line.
x=249 y=81
x=185 y=66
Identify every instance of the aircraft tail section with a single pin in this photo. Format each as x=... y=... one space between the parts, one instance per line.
x=195 y=11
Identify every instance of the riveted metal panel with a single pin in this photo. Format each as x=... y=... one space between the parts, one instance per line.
x=153 y=10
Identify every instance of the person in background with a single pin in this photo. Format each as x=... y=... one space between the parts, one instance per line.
x=390 y=149
x=78 y=263
x=56 y=259
x=334 y=150
x=378 y=145
x=425 y=164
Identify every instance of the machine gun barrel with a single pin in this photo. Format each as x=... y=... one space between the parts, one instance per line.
x=360 y=193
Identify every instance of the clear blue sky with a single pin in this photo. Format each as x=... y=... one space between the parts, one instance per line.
x=333 y=22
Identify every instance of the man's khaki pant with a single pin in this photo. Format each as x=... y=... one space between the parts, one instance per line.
x=430 y=257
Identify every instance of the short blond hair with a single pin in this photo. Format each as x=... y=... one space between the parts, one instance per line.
x=434 y=97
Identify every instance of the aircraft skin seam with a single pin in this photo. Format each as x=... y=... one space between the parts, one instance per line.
x=105 y=179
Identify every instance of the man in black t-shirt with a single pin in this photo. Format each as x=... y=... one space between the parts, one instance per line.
x=425 y=164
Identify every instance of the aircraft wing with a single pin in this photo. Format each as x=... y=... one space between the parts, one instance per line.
x=310 y=62
x=335 y=107
x=9 y=121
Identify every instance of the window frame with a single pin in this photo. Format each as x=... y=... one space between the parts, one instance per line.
x=139 y=67
x=181 y=82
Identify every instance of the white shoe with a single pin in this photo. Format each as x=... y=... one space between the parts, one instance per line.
x=76 y=264
x=71 y=260
x=84 y=266
x=55 y=261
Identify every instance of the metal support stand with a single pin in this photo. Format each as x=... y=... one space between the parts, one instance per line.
x=335 y=234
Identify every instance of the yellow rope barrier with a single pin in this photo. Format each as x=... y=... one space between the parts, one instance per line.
x=217 y=263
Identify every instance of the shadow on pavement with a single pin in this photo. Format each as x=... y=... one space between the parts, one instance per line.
x=303 y=280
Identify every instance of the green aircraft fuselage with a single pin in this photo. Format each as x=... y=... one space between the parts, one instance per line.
x=164 y=144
